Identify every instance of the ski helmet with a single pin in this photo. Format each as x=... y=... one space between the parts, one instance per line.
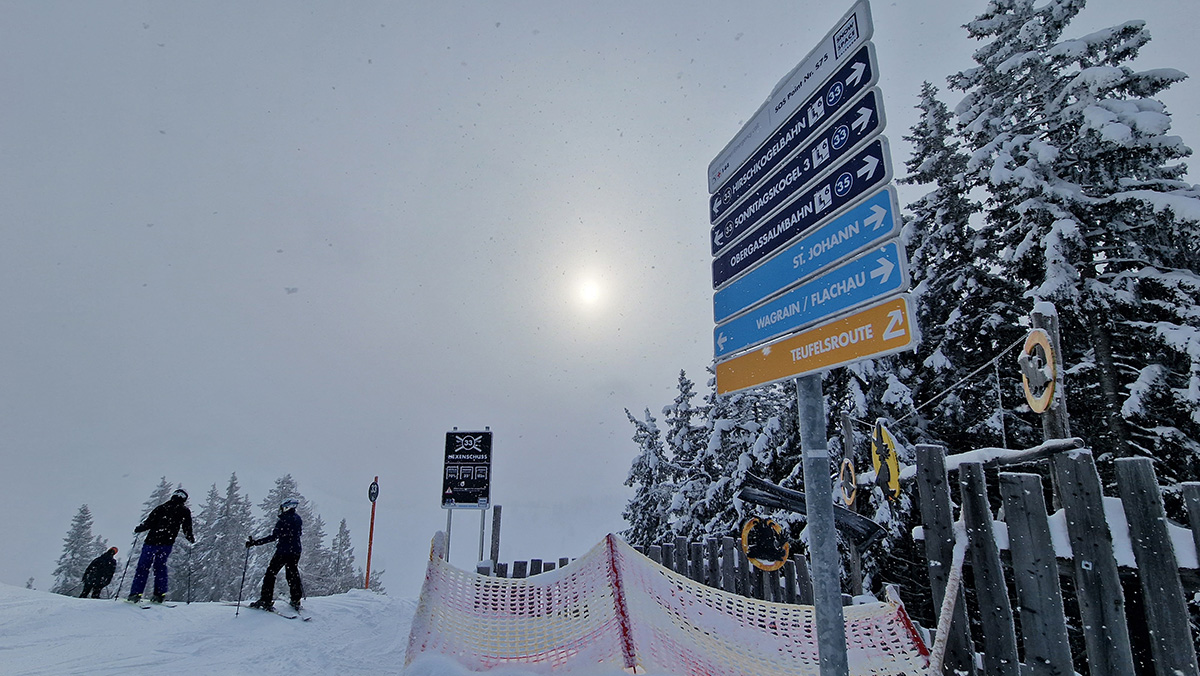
x=180 y=493
x=290 y=503
x=113 y=550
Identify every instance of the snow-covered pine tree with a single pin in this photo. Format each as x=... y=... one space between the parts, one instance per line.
x=205 y=572
x=315 y=560
x=967 y=311
x=1088 y=205
x=222 y=525
x=79 y=548
x=342 y=576
x=650 y=476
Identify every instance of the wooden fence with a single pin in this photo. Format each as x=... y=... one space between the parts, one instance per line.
x=1016 y=575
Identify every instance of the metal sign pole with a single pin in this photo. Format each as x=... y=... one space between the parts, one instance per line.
x=449 y=522
x=822 y=538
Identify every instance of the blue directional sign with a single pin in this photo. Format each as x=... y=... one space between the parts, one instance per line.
x=872 y=221
x=841 y=186
x=873 y=275
x=857 y=75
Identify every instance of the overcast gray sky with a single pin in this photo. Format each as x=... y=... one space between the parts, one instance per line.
x=311 y=238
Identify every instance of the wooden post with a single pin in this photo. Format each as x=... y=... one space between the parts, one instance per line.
x=548 y=566
x=1055 y=422
x=1191 y=498
x=535 y=566
x=1035 y=572
x=852 y=553
x=495 y=548
x=1158 y=569
x=789 y=582
x=520 y=569
x=743 y=574
x=938 y=520
x=668 y=555
x=681 y=556
x=656 y=554
x=712 y=571
x=804 y=594
x=728 y=570
x=991 y=589
x=696 y=562
x=1097 y=579
x=501 y=569
x=563 y=561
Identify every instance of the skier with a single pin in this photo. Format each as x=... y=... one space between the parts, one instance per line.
x=163 y=524
x=99 y=573
x=286 y=536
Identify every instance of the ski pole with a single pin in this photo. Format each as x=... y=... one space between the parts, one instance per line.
x=243 y=584
x=127 y=560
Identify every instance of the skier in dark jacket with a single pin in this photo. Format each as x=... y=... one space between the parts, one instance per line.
x=286 y=537
x=99 y=573
x=161 y=526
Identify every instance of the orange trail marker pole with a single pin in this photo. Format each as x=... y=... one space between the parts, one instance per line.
x=372 y=493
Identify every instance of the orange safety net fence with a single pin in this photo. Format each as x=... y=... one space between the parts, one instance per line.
x=614 y=606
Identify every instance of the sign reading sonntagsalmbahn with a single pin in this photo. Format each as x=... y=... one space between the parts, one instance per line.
x=804 y=223
x=467 y=473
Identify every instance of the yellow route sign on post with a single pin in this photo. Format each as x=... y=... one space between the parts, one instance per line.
x=873 y=331
x=885 y=462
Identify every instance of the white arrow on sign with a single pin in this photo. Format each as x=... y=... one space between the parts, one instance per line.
x=869 y=166
x=856 y=76
x=876 y=218
x=721 y=341
x=864 y=118
x=884 y=270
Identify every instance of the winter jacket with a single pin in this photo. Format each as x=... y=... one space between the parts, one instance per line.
x=286 y=534
x=100 y=571
x=164 y=522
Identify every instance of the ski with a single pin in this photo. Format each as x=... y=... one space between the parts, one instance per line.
x=147 y=606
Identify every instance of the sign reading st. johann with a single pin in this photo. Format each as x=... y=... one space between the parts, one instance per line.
x=861 y=123
x=868 y=223
x=866 y=170
x=467 y=474
x=852 y=30
x=875 y=274
x=858 y=75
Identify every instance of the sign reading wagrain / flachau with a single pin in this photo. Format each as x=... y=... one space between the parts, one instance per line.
x=874 y=331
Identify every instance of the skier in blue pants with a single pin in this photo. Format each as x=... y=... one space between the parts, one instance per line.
x=163 y=524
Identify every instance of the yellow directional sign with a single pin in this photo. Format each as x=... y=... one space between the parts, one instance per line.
x=1038 y=370
x=885 y=462
x=873 y=331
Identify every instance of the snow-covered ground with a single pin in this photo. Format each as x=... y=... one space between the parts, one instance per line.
x=355 y=633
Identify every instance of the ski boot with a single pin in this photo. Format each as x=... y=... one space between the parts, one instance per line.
x=262 y=604
x=295 y=605
x=158 y=598
x=134 y=598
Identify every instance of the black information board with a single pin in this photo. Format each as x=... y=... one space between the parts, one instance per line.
x=467 y=475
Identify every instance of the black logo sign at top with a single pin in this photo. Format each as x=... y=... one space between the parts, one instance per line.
x=467 y=476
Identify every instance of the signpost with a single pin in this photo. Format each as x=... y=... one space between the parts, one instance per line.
x=808 y=160
x=467 y=477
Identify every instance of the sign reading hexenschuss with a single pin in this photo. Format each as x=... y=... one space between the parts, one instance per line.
x=467 y=476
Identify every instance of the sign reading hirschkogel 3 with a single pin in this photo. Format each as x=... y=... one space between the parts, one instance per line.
x=854 y=29
x=467 y=474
